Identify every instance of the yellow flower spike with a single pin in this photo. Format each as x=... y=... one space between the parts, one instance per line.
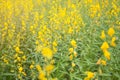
x=99 y=61
x=75 y=54
x=54 y=43
x=113 y=42
x=90 y=74
x=18 y=59
x=70 y=31
x=49 y=68
x=24 y=57
x=31 y=66
x=103 y=62
x=104 y=46
x=37 y=42
x=107 y=54
x=73 y=64
x=38 y=67
x=73 y=43
x=47 y=53
x=17 y=49
x=24 y=73
x=42 y=76
x=111 y=32
x=71 y=50
x=102 y=34
x=71 y=57
x=20 y=69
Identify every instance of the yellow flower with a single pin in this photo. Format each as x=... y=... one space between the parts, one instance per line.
x=42 y=76
x=75 y=53
x=38 y=67
x=70 y=30
x=47 y=53
x=17 y=49
x=73 y=43
x=104 y=46
x=103 y=62
x=113 y=42
x=71 y=50
x=49 y=68
x=111 y=32
x=102 y=34
x=31 y=66
x=20 y=69
x=99 y=61
x=71 y=57
x=90 y=74
x=24 y=57
x=54 y=43
x=107 y=54
x=24 y=73
x=73 y=64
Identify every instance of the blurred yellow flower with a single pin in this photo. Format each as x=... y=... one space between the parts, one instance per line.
x=17 y=49
x=107 y=54
x=103 y=62
x=113 y=42
x=38 y=67
x=49 y=68
x=104 y=46
x=102 y=34
x=54 y=43
x=71 y=50
x=31 y=66
x=111 y=32
x=73 y=43
x=20 y=69
x=47 y=53
x=42 y=76
x=73 y=64
x=75 y=54
x=71 y=57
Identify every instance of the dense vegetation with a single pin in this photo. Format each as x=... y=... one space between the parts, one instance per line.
x=59 y=39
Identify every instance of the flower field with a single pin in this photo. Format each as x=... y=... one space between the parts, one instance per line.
x=59 y=39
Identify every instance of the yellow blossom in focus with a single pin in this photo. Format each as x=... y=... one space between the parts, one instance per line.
x=47 y=53
x=111 y=32
x=102 y=34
